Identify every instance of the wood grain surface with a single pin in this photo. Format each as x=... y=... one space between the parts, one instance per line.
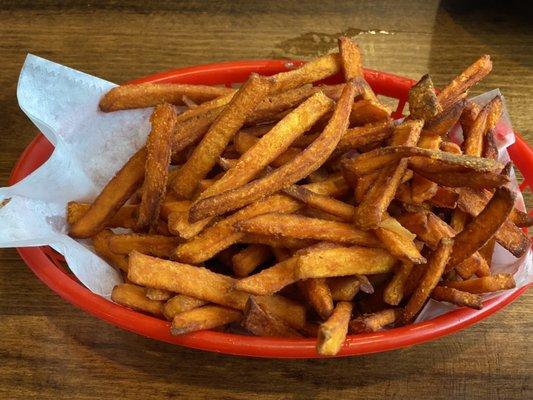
x=50 y=349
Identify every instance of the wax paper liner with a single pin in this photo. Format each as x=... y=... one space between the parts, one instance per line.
x=90 y=146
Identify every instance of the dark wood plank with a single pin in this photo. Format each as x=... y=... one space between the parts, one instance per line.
x=52 y=350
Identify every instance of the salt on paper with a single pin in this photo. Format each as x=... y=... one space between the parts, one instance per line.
x=90 y=146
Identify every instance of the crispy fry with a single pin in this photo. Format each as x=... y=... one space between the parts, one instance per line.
x=158 y=294
x=318 y=294
x=169 y=207
x=124 y=218
x=260 y=322
x=400 y=246
x=230 y=120
x=521 y=218
x=464 y=81
x=422 y=189
x=362 y=184
x=309 y=160
x=417 y=272
x=332 y=333
x=470 y=266
x=244 y=142
x=374 y=322
x=179 y=225
x=270 y=280
x=315 y=70
x=343 y=288
x=432 y=275
x=247 y=260
x=370 y=133
x=341 y=261
x=480 y=230
x=451 y=147
x=426 y=226
x=158 y=147
x=200 y=318
x=367 y=111
x=156 y=245
x=474 y=137
x=441 y=123
x=101 y=247
x=485 y=284
x=469 y=114
x=490 y=148
x=454 y=296
x=179 y=304
x=473 y=179
x=300 y=227
x=268 y=240
x=445 y=198
x=117 y=191
x=350 y=58
x=395 y=289
x=290 y=311
x=134 y=297
x=422 y=99
x=143 y=95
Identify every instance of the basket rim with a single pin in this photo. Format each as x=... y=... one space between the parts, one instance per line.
x=74 y=292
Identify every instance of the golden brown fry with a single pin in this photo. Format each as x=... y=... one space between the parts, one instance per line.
x=134 y=297
x=169 y=207
x=441 y=123
x=473 y=179
x=473 y=144
x=362 y=184
x=260 y=322
x=417 y=272
x=350 y=58
x=267 y=240
x=180 y=303
x=290 y=311
x=422 y=189
x=143 y=95
x=158 y=147
x=307 y=161
x=300 y=227
x=157 y=245
x=318 y=294
x=480 y=230
x=244 y=142
x=124 y=218
x=101 y=247
x=179 y=225
x=432 y=275
x=270 y=280
x=367 y=111
x=470 y=266
x=158 y=294
x=457 y=297
x=315 y=70
x=469 y=114
x=332 y=333
x=200 y=318
x=422 y=100
x=341 y=261
x=490 y=148
x=344 y=288
x=374 y=322
x=230 y=120
x=248 y=259
x=445 y=198
x=485 y=284
x=421 y=158
x=464 y=81
x=400 y=246
x=426 y=226
x=521 y=218
x=370 y=133
x=395 y=290
x=117 y=191
x=451 y=147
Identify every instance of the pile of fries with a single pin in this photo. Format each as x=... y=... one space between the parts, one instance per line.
x=301 y=210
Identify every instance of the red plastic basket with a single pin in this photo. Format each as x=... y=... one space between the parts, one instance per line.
x=47 y=264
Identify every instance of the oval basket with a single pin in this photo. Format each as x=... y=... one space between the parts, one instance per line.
x=50 y=267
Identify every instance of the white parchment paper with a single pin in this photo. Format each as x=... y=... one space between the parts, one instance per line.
x=90 y=146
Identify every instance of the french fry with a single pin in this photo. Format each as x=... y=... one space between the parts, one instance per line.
x=315 y=70
x=423 y=189
x=179 y=225
x=332 y=333
x=395 y=290
x=398 y=244
x=230 y=120
x=441 y=123
x=485 y=120
x=117 y=191
x=457 y=297
x=426 y=226
x=472 y=179
x=270 y=280
x=445 y=198
x=422 y=100
x=244 y=142
x=262 y=323
x=521 y=218
x=470 y=266
x=156 y=245
x=370 y=133
x=134 y=297
x=367 y=111
x=351 y=58
x=432 y=275
x=362 y=184
x=485 y=284
x=169 y=207
x=490 y=148
x=158 y=147
x=158 y=294
x=268 y=240
x=101 y=247
x=374 y=322
x=124 y=218
x=464 y=81
x=205 y=317
x=309 y=160
x=417 y=272
x=318 y=294
x=451 y=147
x=481 y=229
x=290 y=311
x=143 y=95
x=300 y=227
x=469 y=114
x=407 y=133
x=179 y=304
x=341 y=261
x=343 y=288
x=429 y=160
x=248 y=259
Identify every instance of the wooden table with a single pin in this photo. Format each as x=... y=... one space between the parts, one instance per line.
x=52 y=350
